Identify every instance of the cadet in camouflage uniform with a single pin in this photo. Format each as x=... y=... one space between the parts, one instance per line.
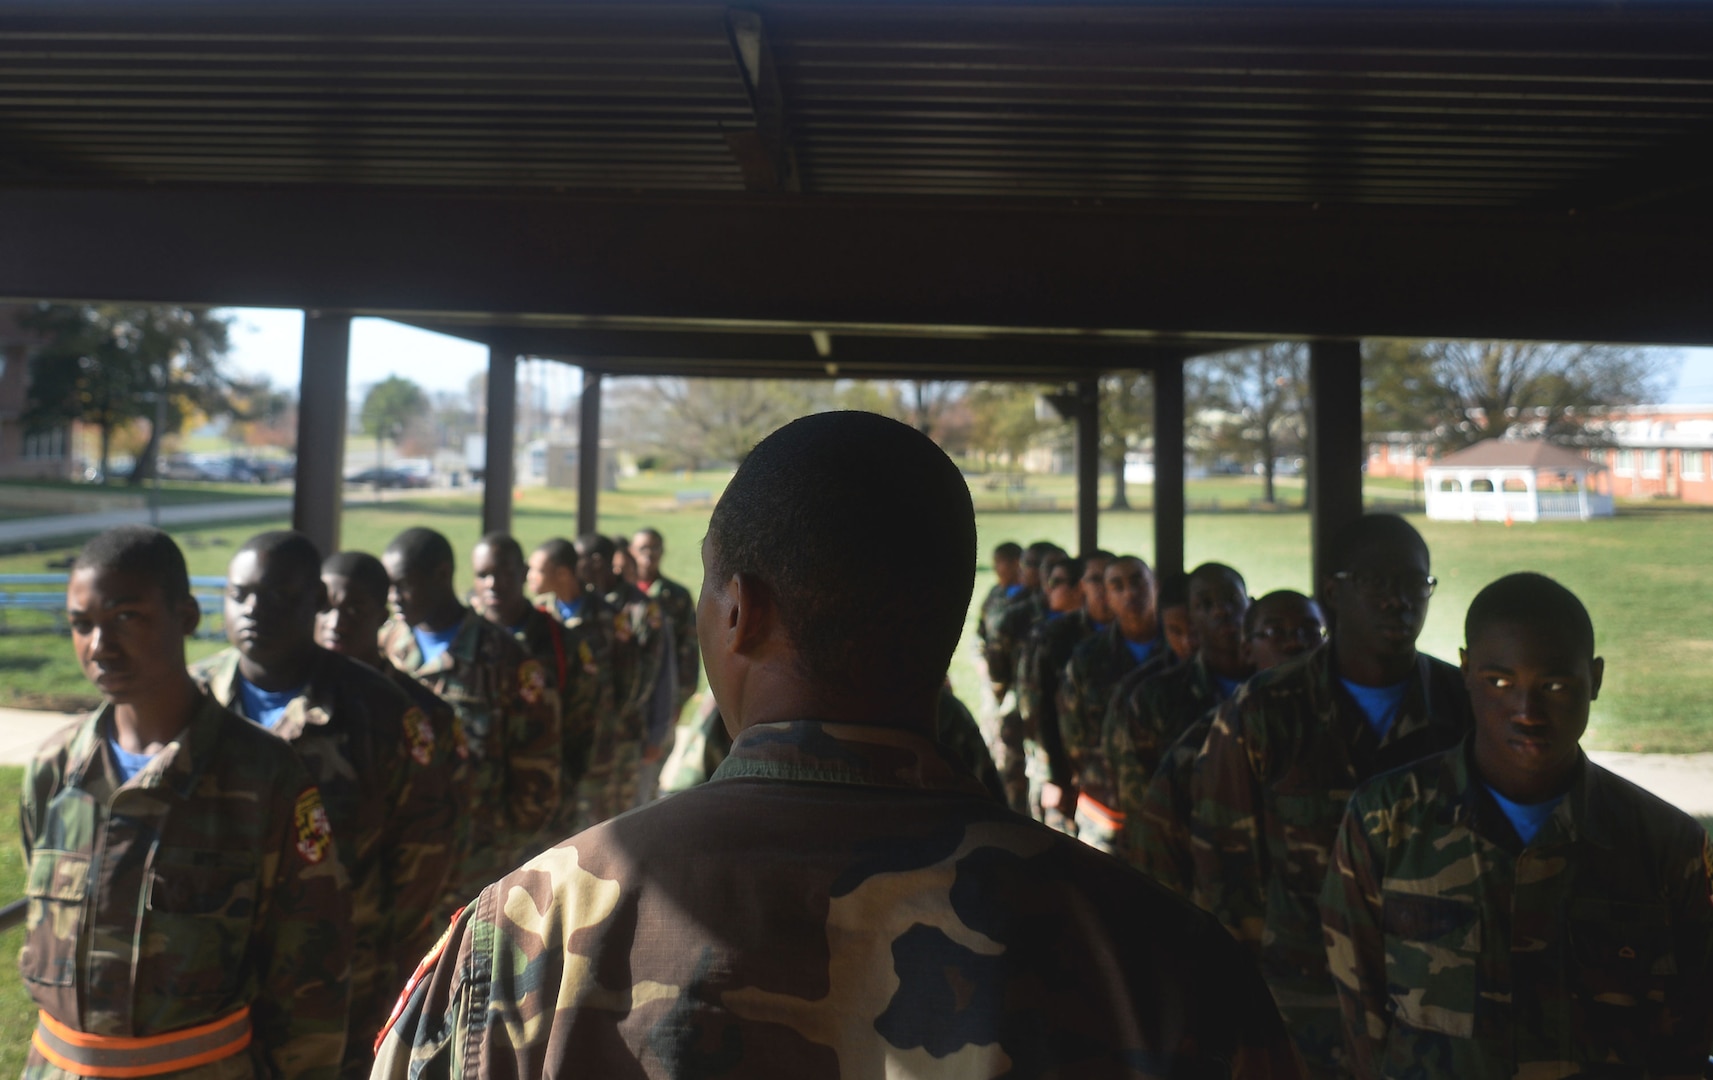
x=365 y=745
x=565 y=653
x=1172 y=605
x=1149 y=710
x=676 y=604
x=698 y=751
x=1284 y=755
x=1094 y=671
x=507 y=710
x=1041 y=663
x=1277 y=627
x=838 y=900
x=1007 y=631
x=1008 y=568
x=636 y=729
x=357 y=585
x=1509 y=908
x=186 y=907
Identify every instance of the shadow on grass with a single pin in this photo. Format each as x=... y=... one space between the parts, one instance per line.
x=22 y=663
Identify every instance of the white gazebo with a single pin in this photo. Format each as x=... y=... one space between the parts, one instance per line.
x=1517 y=480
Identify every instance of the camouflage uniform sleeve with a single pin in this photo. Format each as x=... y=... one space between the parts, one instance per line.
x=1072 y=721
x=1129 y=778
x=1679 y=1044
x=417 y=841
x=533 y=751
x=421 y=1040
x=1225 y=792
x=303 y=941
x=1356 y=945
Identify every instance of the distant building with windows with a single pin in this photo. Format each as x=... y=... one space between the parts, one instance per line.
x=1651 y=451
x=27 y=451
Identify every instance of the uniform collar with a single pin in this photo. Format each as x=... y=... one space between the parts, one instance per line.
x=176 y=767
x=870 y=755
x=399 y=645
x=1585 y=813
x=313 y=708
x=1415 y=711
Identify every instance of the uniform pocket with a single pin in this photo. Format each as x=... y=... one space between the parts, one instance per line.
x=216 y=883
x=1433 y=953
x=55 y=890
x=1622 y=963
x=199 y=911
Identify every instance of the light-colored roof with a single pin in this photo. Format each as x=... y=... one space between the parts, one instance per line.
x=1517 y=454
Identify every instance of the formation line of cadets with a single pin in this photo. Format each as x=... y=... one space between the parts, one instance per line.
x=236 y=865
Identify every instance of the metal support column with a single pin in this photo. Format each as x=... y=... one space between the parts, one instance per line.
x=1335 y=445
x=318 y=493
x=1088 y=465
x=1169 y=468
x=498 y=475
x=589 y=452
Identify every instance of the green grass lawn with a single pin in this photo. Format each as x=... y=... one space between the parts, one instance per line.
x=1644 y=576
x=17 y=1011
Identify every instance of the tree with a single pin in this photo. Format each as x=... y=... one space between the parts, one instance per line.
x=262 y=415
x=713 y=420
x=1253 y=403
x=1461 y=392
x=390 y=407
x=1006 y=421
x=1126 y=422
x=109 y=364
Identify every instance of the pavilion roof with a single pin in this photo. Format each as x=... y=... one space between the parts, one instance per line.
x=1534 y=454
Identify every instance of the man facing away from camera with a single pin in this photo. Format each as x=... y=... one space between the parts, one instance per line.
x=840 y=900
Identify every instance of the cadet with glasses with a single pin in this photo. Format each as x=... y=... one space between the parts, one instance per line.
x=1284 y=754
x=1509 y=908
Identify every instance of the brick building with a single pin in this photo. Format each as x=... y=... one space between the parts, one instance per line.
x=27 y=451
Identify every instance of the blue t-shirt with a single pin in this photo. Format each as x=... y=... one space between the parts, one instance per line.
x=265 y=707
x=1226 y=687
x=1379 y=704
x=1144 y=651
x=568 y=611
x=1013 y=590
x=434 y=642
x=128 y=764
x=1526 y=818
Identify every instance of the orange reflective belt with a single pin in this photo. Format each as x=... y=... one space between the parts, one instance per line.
x=82 y=1054
x=1101 y=814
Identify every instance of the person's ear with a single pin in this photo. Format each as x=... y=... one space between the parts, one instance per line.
x=1463 y=661
x=189 y=615
x=322 y=601
x=1329 y=595
x=752 y=615
x=1596 y=675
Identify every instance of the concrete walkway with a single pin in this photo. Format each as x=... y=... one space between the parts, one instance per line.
x=63 y=526
x=1685 y=780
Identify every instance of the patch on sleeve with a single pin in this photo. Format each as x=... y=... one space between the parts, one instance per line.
x=314 y=834
x=460 y=743
x=587 y=656
x=419 y=735
x=531 y=681
x=423 y=970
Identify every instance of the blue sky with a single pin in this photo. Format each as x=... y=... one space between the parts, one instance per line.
x=269 y=341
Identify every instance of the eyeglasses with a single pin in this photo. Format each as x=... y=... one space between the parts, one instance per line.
x=1308 y=635
x=1381 y=586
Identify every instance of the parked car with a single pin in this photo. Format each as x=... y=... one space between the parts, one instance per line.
x=387 y=477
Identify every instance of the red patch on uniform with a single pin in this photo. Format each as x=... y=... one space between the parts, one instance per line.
x=314 y=833
x=422 y=971
x=419 y=736
x=531 y=681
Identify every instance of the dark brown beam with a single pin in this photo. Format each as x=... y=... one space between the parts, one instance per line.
x=1169 y=469
x=500 y=436
x=1335 y=446
x=589 y=453
x=763 y=150
x=1088 y=465
x=1290 y=271
x=318 y=493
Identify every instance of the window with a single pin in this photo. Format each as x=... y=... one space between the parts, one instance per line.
x=1650 y=462
x=1450 y=485
x=1626 y=463
x=1480 y=485
x=1694 y=465
x=1516 y=484
x=45 y=445
x=1598 y=457
x=1404 y=455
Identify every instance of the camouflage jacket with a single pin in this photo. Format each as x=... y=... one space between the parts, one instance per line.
x=1269 y=791
x=1041 y=666
x=1093 y=673
x=371 y=752
x=638 y=625
x=702 y=744
x=508 y=716
x=206 y=883
x=1157 y=835
x=837 y=901
x=1007 y=628
x=567 y=654
x=449 y=758
x=1460 y=952
x=679 y=608
x=1149 y=709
